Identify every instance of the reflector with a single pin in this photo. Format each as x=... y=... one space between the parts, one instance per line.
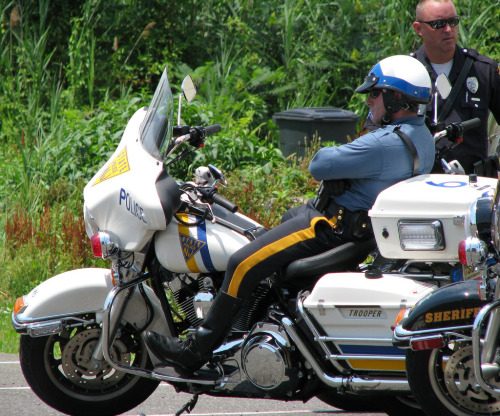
x=462 y=257
x=18 y=305
x=96 y=245
x=428 y=343
x=400 y=316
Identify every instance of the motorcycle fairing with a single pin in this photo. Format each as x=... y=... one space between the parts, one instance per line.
x=123 y=196
x=452 y=306
x=169 y=194
x=78 y=292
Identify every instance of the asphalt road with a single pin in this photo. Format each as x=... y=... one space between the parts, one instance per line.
x=17 y=399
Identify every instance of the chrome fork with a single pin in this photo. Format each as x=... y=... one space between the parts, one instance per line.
x=484 y=350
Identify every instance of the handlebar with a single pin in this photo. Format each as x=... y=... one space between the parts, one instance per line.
x=215 y=128
x=212 y=196
x=196 y=135
x=453 y=131
x=470 y=124
x=225 y=203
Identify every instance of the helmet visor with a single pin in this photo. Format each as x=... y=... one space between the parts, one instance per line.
x=368 y=84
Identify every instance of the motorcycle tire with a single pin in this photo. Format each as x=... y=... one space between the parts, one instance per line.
x=400 y=405
x=55 y=368
x=442 y=380
x=348 y=401
x=392 y=405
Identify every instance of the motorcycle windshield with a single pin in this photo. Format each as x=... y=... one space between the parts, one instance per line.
x=156 y=128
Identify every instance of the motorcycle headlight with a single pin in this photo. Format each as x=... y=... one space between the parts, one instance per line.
x=481 y=215
x=421 y=235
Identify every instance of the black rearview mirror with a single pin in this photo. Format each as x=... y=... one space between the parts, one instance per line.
x=217 y=174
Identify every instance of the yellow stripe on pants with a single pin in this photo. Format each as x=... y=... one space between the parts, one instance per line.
x=271 y=249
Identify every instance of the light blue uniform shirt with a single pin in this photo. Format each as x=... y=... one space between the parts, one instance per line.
x=374 y=161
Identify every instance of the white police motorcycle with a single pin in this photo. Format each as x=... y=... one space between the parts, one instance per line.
x=323 y=328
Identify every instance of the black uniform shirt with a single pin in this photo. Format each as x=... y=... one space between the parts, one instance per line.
x=479 y=94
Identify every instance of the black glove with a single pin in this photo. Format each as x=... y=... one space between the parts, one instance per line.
x=336 y=187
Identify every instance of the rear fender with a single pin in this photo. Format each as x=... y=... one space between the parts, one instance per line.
x=76 y=293
x=452 y=307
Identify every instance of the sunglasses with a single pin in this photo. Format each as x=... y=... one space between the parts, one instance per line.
x=374 y=93
x=441 y=23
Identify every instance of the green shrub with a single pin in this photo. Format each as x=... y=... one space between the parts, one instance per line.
x=74 y=72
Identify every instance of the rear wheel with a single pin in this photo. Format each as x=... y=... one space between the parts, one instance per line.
x=443 y=382
x=56 y=368
x=400 y=405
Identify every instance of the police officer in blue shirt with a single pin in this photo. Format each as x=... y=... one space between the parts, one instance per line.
x=476 y=79
x=400 y=148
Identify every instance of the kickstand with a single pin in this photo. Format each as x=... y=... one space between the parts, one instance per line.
x=188 y=406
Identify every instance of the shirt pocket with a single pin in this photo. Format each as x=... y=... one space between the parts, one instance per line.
x=473 y=96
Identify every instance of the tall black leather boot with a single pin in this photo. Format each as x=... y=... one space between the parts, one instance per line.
x=188 y=355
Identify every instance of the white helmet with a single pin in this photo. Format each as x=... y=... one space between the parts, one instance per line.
x=400 y=73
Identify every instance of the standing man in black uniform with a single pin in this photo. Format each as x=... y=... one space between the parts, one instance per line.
x=477 y=88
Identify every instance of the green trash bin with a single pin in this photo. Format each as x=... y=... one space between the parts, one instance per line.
x=300 y=125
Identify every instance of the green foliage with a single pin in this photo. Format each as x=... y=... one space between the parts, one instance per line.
x=81 y=53
x=480 y=27
x=292 y=185
x=72 y=74
x=91 y=136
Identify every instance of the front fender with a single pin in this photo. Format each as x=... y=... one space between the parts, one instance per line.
x=451 y=307
x=76 y=293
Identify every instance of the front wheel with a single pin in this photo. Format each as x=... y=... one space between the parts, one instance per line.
x=56 y=369
x=443 y=382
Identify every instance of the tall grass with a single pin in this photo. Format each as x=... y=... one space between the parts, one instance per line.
x=81 y=52
x=30 y=120
x=72 y=75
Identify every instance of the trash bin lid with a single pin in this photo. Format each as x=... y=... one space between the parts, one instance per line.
x=316 y=113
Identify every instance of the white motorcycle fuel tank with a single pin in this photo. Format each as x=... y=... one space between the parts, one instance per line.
x=200 y=247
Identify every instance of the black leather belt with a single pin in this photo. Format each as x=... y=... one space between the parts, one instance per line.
x=355 y=224
x=333 y=209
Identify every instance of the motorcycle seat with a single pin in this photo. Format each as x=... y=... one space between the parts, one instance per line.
x=344 y=257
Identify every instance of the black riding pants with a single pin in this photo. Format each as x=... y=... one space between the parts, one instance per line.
x=304 y=232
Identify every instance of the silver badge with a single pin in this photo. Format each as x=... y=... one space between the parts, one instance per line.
x=472 y=84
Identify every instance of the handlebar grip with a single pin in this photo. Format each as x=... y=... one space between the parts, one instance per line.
x=470 y=124
x=225 y=203
x=215 y=128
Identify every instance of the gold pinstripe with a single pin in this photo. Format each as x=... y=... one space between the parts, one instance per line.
x=388 y=365
x=271 y=249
